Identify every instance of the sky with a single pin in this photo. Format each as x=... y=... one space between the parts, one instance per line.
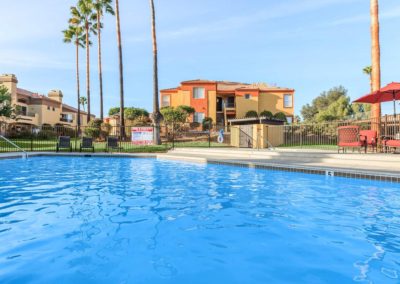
x=308 y=45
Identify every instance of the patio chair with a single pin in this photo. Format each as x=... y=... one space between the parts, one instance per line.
x=370 y=138
x=112 y=143
x=64 y=142
x=350 y=137
x=390 y=143
x=86 y=143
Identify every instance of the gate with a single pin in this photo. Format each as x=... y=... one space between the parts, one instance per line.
x=246 y=136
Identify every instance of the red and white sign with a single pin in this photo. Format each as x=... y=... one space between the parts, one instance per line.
x=142 y=135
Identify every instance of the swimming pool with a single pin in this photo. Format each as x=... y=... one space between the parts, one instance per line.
x=117 y=220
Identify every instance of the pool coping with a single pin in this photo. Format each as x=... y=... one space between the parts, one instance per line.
x=327 y=171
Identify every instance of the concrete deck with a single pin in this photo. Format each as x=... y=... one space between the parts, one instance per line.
x=368 y=164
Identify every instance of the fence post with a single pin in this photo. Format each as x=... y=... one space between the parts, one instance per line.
x=76 y=136
x=173 y=135
x=209 y=134
x=31 y=139
x=301 y=136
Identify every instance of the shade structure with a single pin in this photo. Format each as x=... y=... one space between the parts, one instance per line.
x=388 y=93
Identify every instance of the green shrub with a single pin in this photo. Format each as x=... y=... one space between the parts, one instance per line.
x=96 y=129
x=280 y=116
x=47 y=134
x=207 y=123
x=267 y=114
x=251 y=113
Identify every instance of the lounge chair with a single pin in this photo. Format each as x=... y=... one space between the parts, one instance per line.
x=369 y=137
x=64 y=142
x=112 y=143
x=350 y=137
x=86 y=143
x=390 y=143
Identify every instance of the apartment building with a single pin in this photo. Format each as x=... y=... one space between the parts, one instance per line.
x=222 y=100
x=36 y=110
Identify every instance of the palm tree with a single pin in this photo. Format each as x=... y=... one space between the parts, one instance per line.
x=101 y=7
x=368 y=71
x=121 y=71
x=75 y=34
x=376 y=56
x=83 y=102
x=83 y=16
x=156 y=104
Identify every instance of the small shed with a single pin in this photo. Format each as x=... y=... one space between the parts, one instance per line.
x=253 y=132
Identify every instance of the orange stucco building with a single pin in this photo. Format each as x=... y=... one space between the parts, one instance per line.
x=222 y=100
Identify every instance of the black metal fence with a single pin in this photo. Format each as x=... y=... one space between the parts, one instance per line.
x=45 y=138
x=325 y=135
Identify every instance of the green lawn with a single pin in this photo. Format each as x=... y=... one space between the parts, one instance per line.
x=309 y=146
x=50 y=145
x=200 y=144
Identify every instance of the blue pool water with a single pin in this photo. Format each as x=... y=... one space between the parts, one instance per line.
x=110 y=220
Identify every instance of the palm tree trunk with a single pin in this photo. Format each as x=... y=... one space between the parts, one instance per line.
x=156 y=103
x=121 y=72
x=88 y=72
x=376 y=56
x=100 y=66
x=78 y=91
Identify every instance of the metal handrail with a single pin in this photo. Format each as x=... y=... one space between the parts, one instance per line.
x=15 y=145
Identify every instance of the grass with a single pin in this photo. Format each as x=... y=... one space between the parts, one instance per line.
x=200 y=144
x=50 y=145
x=309 y=146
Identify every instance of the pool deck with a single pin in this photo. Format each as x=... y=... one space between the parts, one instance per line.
x=374 y=166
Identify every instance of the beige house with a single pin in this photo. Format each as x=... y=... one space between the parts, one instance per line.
x=34 y=109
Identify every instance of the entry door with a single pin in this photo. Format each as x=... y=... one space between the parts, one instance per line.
x=246 y=136
x=219 y=104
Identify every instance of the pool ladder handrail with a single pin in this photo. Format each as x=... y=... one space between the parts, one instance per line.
x=25 y=154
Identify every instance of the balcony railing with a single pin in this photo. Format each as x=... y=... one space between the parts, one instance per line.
x=65 y=119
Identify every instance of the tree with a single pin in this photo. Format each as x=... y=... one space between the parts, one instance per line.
x=157 y=116
x=121 y=71
x=251 y=114
x=74 y=34
x=376 y=55
x=6 y=109
x=83 y=102
x=173 y=115
x=331 y=105
x=113 y=111
x=368 y=71
x=83 y=15
x=133 y=113
x=101 y=7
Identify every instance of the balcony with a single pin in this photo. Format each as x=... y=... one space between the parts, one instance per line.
x=66 y=119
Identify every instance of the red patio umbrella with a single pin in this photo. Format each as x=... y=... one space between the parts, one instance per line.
x=387 y=94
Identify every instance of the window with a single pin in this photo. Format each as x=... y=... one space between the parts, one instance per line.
x=165 y=102
x=199 y=93
x=199 y=117
x=247 y=96
x=48 y=107
x=287 y=101
x=289 y=119
x=54 y=109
